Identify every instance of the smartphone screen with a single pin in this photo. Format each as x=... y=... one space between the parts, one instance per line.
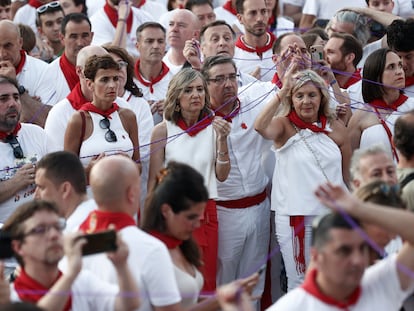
x=100 y=242
x=6 y=250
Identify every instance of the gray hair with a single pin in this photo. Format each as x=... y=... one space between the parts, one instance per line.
x=358 y=154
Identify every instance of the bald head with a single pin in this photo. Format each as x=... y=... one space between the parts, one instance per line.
x=115 y=184
x=184 y=25
x=9 y=26
x=87 y=52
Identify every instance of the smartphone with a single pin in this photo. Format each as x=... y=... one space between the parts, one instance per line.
x=262 y=268
x=6 y=250
x=100 y=242
x=316 y=53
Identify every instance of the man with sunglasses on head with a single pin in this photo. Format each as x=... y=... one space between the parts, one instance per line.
x=48 y=20
x=21 y=146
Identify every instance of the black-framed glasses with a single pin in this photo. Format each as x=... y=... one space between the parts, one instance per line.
x=14 y=143
x=110 y=135
x=219 y=80
x=43 y=229
x=51 y=6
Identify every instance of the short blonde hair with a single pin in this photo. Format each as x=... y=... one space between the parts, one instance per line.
x=175 y=89
x=301 y=78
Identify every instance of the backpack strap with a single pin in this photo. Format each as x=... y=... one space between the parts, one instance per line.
x=406 y=180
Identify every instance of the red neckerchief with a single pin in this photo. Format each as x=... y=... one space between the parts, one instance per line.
x=259 y=50
x=35 y=3
x=228 y=7
x=310 y=286
x=409 y=81
x=113 y=16
x=298 y=229
x=229 y=117
x=22 y=62
x=379 y=103
x=141 y=3
x=196 y=128
x=169 y=241
x=30 y=290
x=76 y=98
x=107 y=113
x=356 y=76
x=69 y=71
x=276 y=80
x=294 y=118
x=4 y=135
x=163 y=73
x=100 y=220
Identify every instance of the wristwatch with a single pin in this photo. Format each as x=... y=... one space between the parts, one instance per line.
x=21 y=89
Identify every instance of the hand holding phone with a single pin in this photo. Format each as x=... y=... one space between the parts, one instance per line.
x=316 y=53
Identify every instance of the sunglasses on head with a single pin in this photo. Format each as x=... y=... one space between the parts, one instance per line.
x=110 y=135
x=48 y=6
x=17 y=149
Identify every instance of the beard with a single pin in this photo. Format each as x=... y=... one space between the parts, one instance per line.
x=8 y=124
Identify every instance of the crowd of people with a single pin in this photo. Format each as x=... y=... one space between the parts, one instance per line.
x=245 y=154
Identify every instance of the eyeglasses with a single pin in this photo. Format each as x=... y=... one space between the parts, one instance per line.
x=109 y=135
x=219 y=80
x=17 y=149
x=44 y=228
x=122 y=63
x=52 y=6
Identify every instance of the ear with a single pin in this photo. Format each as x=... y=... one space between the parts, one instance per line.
x=349 y=58
x=356 y=183
x=17 y=247
x=275 y=58
x=166 y=210
x=240 y=18
x=62 y=38
x=79 y=71
x=89 y=84
x=314 y=255
x=40 y=31
x=197 y=34
x=65 y=189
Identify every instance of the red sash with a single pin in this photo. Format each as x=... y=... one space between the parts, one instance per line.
x=35 y=3
x=76 y=98
x=22 y=62
x=153 y=81
x=356 y=76
x=69 y=71
x=297 y=223
x=30 y=290
x=107 y=113
x=113 y=16
x=228 y=7
x=3 y=135
x=310 y=286
x=100 y=220
x=169 y=241
x=294 y=118
x=259 y=50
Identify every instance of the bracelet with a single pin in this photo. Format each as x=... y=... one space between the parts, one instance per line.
x=122 y=20
x=332 y=82
x=222 y=153
x=222 y=162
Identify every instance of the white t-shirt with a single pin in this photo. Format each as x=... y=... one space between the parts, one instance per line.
x=79 y=215
x=326 y=9
x=26 y=15
x=29 y=76
x=150 y=264
x=154 y=9
x=380 y=291
x=230 y=18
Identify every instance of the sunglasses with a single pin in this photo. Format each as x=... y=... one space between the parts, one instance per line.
x=109 y=135
x=14 y=143
x=51 y=6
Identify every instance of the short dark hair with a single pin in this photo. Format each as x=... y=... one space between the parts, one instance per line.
x=404 y=134
x=49 y=10
x=239 y=6
x=94 y=63
x=14 y=224
x=212 y=61
x=5 y=2
x=214 y=24
x=276 y=48
x=400 y=35
x=191 y=3
x=77 y=18
x=8 y=80
x=149 y=25
x=349 y=45
x=372 y=75
x=322 y=225
x=64 y=166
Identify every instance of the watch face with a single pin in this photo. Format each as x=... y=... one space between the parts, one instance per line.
x=21 y=89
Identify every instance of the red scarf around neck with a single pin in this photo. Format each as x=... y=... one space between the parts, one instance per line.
x=35 y=3
x=29 y=290
x=19 y=67
x=228 y=7
x=113 y=16
x=3 y=135
x=140 y=78
x=409 y=81
x=92 y=108
x=196 y=128
x=76 y=98
x=259 y=50
x=276 y=80
x=310 y=286
x=294 y=118
x=380 y=103
x=100 y=220
x=356 y=76
x=169 y=241
x=229 y=117
x=141 y=3
x=69 y=71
